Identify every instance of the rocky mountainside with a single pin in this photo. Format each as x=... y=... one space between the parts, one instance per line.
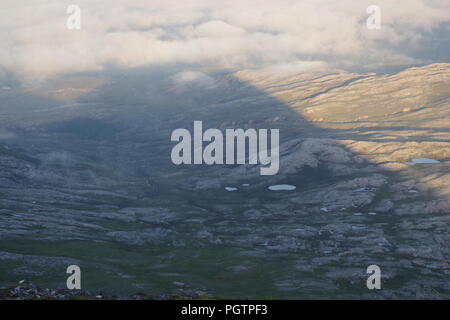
x=86 y=179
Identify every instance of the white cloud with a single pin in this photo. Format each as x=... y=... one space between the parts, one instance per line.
x=232 y=34
x=188 y=79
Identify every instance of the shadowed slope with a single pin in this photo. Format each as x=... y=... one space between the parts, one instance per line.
x=131 y=219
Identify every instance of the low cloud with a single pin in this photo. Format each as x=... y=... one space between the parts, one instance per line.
x=216 y=35
x=187 y=80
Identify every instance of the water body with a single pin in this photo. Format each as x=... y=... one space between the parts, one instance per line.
x=422 y=161
x=282 y=187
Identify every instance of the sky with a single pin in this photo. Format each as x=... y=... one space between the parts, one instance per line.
x=213 y=35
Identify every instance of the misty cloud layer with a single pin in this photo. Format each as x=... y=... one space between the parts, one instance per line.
x=219 y=35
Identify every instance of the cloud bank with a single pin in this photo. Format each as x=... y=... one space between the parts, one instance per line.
x=218 y=35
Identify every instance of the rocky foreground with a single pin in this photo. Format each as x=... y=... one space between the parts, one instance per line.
x=29 y=291
x=89 y=182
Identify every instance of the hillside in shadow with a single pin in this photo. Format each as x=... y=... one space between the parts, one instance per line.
x=89 y=181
